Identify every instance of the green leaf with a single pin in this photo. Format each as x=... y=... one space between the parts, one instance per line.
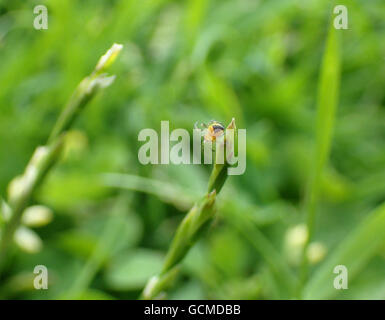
x=131 y=271
x=327 y=100
x=354 y=253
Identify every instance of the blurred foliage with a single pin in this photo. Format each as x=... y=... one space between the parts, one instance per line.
x=188 y=61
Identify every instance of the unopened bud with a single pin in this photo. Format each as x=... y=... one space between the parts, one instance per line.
x=37 y=216
x=108 y=58
x=27 y=240
x=316 y=252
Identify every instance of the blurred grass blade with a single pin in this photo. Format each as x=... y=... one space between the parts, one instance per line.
x=165 y=191
x=354 y=253
x=245 y=225
x=327 y=100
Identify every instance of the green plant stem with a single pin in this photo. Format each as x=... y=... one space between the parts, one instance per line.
x=35 y=173
x=189 y=230
x=84 y=92
x=186 y=235
x=22 y=188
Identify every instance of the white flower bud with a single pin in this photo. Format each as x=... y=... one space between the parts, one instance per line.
x=297 y=235
x=37 y=216
x=295 y=240
x=316 y=252
x=6 y=211
x=27 y=240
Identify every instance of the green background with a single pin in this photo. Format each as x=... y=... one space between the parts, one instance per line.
x=188 y=61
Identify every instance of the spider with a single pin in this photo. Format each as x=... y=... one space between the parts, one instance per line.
x=212 y=130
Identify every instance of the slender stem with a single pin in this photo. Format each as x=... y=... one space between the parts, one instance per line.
x=190 y=228
x=42 y=161
x=22 y=188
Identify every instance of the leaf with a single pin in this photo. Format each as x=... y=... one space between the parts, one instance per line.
x=354 y=253
x=131 y=271
x=327 y=100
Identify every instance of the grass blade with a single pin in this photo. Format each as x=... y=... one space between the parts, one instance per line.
x=366 y=240
x=328 y=92
x=278 y=266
